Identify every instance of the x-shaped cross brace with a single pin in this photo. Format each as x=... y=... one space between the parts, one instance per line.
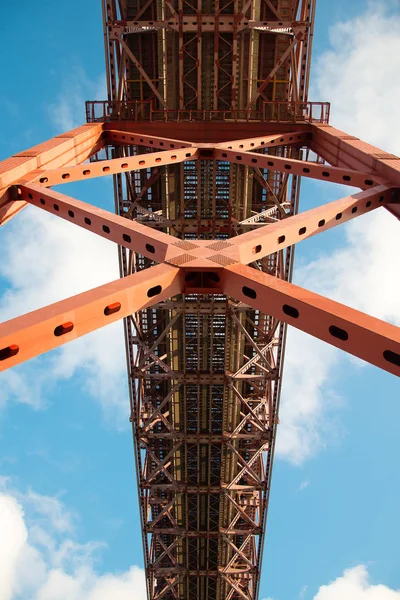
x=203 y=267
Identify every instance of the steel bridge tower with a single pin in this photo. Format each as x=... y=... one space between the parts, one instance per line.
x=207 y=132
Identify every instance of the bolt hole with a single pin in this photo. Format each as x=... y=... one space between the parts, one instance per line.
x=281 y=239
x=65 y=176
x=354 y=209
x=106 y=229
x=9 y=351
x=338 y=333
x=150 y=248
x=56 y=207
x=256 y=249
x=369 y=182
x=63 y=329
x=338 y=216
x=105 y=169
x=291 y=311
x=392 y=357
x=368 y=204
x=249 y=292
x=71 y=214
x=126 y=238
x=154 y=291
x=112 y=308
x=302 y=230
x=88 y=221
x=86 y=172
x=42 y=201
x=321 y=223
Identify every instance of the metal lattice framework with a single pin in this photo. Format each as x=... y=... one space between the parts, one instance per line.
x=207 y=131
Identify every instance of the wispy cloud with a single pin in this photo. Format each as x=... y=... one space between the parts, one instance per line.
x=304 y=484
x=68 y=109
x=359 y=273
x=46 y=259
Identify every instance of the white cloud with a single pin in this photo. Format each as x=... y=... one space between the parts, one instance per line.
x=355 y=585
x=68 y=110
x=46 y=259
x=359 y=75
x=40 y=561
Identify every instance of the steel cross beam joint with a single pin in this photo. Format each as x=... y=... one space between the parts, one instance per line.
x=198 y=266
x=202 y=267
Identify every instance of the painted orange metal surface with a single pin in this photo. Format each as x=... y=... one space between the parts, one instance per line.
x=354 y=332
x=264 y=241
x=367 y=338
x=215 y=161
x=47 y=328
x=302 y=168
x=116 y=165
x=156 y=245
x=70 y=148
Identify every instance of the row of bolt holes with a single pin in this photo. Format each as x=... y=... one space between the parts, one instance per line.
x=127 y=238
x=107 y=168
x=265 y=23
x=335 y=332
x=60 y=330
x=299 y=137
x=321 y=223
x=141 y=140
x=306 y=170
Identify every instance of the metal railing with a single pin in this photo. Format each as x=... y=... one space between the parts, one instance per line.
x=277 y=112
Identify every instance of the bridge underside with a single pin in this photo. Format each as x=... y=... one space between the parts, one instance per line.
x=207 y=130
x=205 y=370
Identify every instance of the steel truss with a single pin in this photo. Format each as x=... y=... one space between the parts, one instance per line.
x=207 y=131
x=204 y=420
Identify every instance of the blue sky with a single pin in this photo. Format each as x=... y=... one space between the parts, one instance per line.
x=66 y=452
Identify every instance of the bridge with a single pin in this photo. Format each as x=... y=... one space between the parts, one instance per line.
x=207 y=131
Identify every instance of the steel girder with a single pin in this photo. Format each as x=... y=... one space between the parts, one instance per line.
x=204 y=358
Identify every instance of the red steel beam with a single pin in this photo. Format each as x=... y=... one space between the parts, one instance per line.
x=153 y=244
x=266 y=240
x=300 y=167
x=117 y=165
x=342 y=149
x=139 y=139
x=70 y=148
x=354 y=332
x=47 y=328
x=267 y=141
